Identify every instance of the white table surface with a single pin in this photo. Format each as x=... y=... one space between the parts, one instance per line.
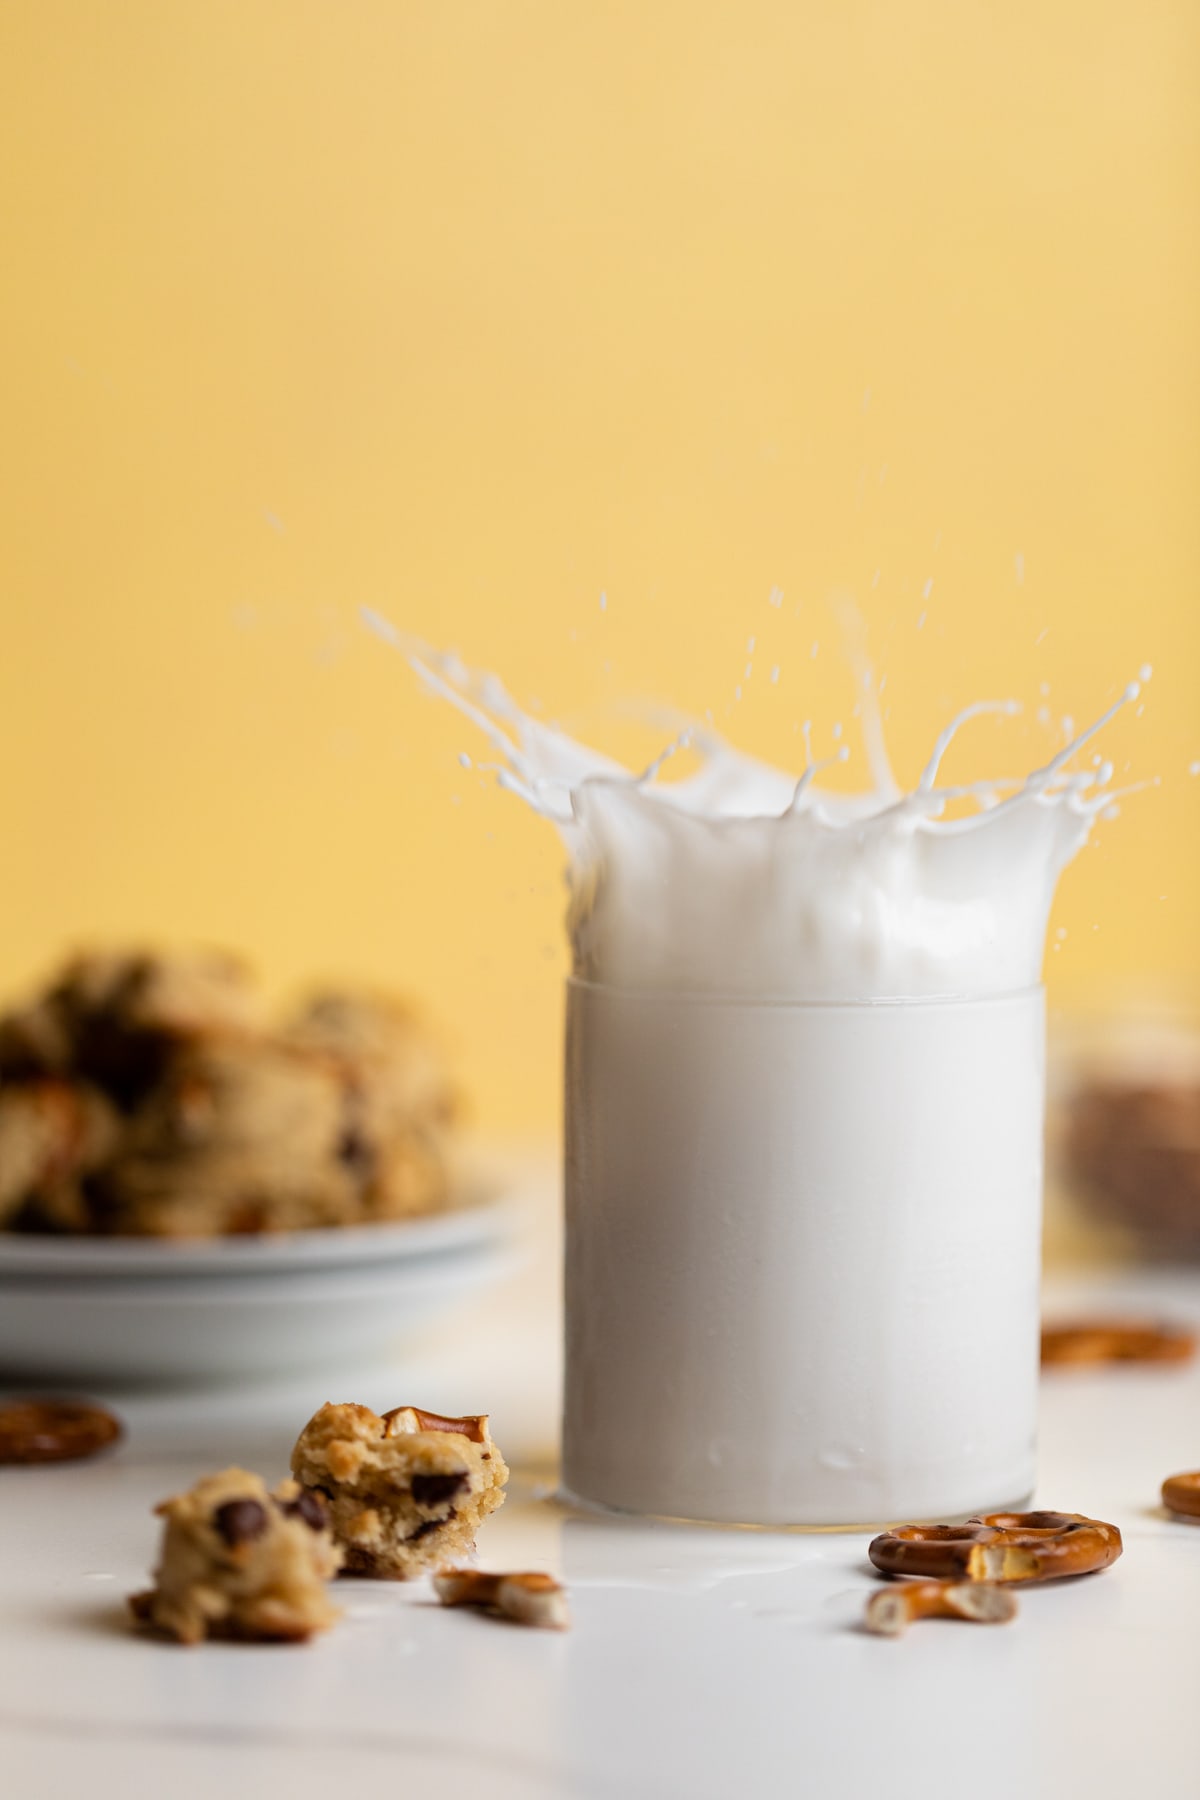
x=705 y=1664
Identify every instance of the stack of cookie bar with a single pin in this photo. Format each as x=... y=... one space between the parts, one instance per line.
x=149 y=1095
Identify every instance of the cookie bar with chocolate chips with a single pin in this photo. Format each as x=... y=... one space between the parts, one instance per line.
x=148 y=1095
x=53 y=1134
x=238 y=1561
x=406 y=1492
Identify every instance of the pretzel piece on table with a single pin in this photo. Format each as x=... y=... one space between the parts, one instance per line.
x=1181 y=1494
x=1032 y=1546
x=893 y=1609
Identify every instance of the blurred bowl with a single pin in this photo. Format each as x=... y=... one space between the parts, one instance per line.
x=150 y=1312
x=1124 y=1126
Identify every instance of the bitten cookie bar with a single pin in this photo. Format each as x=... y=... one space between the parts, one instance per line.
x=240 y=1562
x=406 y=1492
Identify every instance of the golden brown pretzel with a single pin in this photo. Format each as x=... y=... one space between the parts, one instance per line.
x=527 y=1597
x=1032 y=1546
x=403 y=1419
x=1181 y=1493
x=1116 y=1340
x=44 y=1431
x=893 y=1608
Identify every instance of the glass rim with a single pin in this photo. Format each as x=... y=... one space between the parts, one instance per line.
x=750 y=1002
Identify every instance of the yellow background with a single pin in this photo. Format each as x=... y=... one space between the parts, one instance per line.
x=473 y=312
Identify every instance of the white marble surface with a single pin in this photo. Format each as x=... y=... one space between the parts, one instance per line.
x=705 y=1664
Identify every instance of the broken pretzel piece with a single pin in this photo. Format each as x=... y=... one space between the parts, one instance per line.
x=51 y=1431
x=1116 y=1341
x=527 y=1597
x=893 y=1609
x=1181 y=1494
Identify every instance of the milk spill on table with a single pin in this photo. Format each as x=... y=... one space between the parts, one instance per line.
x=804 y=1095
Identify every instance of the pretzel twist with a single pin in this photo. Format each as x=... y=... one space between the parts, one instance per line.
x=1010 y=1547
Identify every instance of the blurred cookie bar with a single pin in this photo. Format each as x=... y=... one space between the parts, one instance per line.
x=238 y=1136
x=114 y=1016
x=53 y=1135
x=406 y=1491
x=145 y=1095
x=239 y=1561
x=400 y=1106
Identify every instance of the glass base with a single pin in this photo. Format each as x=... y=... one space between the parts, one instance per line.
x=564 y=1497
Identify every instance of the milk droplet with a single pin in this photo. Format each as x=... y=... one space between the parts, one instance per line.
x=604 y=603
x=927 y=589
x=1020 y=564
x=775 y=673
x=837 y=1458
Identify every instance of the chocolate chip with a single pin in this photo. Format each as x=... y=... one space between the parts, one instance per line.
x=310 y=1507
x=431 y=1490
x=424 y=1528
x=355 y=1151
x=240 y=1521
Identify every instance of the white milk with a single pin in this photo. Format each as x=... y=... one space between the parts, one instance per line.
x=804 y=1096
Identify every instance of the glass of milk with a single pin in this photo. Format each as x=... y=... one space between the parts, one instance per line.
x=803 y=1255
x=804 y=1098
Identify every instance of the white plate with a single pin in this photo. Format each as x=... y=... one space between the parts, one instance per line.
x=482 y=1216
x=136 y=1312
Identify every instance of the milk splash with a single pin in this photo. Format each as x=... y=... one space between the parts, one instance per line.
x=744 y=880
